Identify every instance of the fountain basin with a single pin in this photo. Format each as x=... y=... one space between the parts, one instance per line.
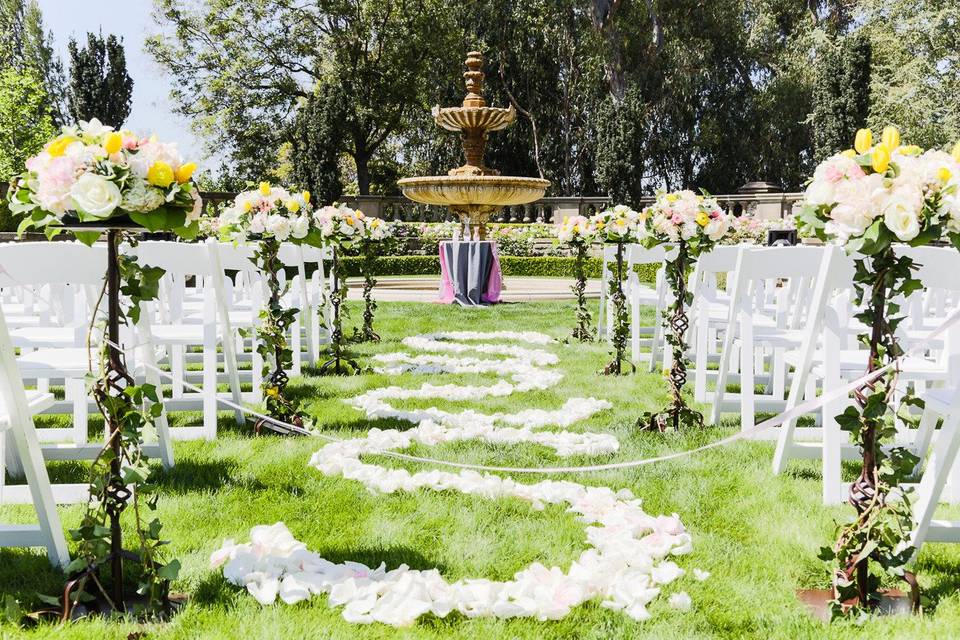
x=473 y=194
x=483 y=118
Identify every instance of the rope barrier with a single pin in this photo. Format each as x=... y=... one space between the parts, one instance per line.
x=795 y=412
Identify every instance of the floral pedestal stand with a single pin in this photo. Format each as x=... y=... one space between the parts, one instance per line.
x=366 y=333
x=621 y=321
x=677 y=324
x=118 y=398
x=339 y=363
x=583 y=331
x=274 y=349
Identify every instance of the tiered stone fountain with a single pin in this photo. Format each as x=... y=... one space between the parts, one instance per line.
x=474 y=191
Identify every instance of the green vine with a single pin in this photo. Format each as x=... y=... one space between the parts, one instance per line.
x=340 y=362
x=583 y=331
x=368 y=252
x=120 y=475
x=272 y=345
x=621 y=317
x=884 y=519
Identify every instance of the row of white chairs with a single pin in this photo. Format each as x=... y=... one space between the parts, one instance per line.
x=780 y=323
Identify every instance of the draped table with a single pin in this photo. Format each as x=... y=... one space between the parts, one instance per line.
x=469 y=272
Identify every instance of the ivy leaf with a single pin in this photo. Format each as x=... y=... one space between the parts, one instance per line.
x=169 y=571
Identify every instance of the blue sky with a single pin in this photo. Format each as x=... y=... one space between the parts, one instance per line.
x=152 y=109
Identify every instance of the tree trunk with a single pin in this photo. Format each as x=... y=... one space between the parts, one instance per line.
x=363 y=173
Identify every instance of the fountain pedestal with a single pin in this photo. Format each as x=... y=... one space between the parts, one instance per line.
x=474 y=191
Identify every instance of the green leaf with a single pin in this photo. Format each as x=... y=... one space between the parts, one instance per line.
x=169 y=571
x=162 y=219
x=88 y=238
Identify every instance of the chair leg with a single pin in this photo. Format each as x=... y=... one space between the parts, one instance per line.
x=75 y=391
x=210 y=392
x=934 y=478
x=747 y=364
x=177 y=365
x=295 y=343
x=634 y=330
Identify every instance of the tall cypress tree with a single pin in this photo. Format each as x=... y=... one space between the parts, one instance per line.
x=100 y=86
x=841 y=95
x=318 y=142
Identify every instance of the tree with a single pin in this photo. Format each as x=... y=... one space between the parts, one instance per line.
x=100 y=86
x=242 y=69
x=317 y=144
x=841 y=95
x=25 y=125
x=29 y=49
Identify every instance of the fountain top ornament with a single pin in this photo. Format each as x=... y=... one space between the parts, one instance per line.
x=474 y=191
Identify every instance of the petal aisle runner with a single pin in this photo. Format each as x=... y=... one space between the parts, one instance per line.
x=627 y=560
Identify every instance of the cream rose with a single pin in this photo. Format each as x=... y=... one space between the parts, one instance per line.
x=901 y=218
x=300 y=227
x=95 y=195
x=279 y=227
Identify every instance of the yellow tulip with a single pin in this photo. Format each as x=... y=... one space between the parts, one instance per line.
x=265 y=188
x=160 y=174
x=911 y=150
x=185 y=172
x=891 y=138
x=247 y=206
x=703 y=219
x=113 y=143
x=944 y=175
x=59 y=146
x=880 y=159
x=849 y=153
x=672 y=197
x=863 y=141
x=956 y=152
x=306 y=196
x=293 y=206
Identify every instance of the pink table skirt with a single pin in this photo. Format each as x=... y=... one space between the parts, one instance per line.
x=470 y=272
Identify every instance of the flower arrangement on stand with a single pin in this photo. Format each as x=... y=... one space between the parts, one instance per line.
x=270 y=216
x=340 y=228
x=619 y=225
x=868 y=199
x=579 y=233
x=372 y=234
x=692 y=224
x=91 y=179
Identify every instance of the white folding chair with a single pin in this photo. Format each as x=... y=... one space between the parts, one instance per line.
x=639 y=295
x=16 y=428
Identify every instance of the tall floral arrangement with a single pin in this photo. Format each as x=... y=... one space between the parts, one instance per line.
x=374 y=232
x=269 y=216
x=340 y=228
x=619 y=225
x=89 y=179
x=578 y=232
x=868 y=199
x=692 y=224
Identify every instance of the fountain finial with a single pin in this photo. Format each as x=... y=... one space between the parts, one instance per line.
x=474 y=79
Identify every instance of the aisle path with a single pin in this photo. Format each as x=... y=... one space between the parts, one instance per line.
x=516 y=289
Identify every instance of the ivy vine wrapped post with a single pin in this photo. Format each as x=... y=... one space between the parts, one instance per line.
x=868 y=198
x=340 y=228
x=373 y=232
x=117 y=181
x=619 y=225
x=270 y=216
x=579 y=233
x=691 y=225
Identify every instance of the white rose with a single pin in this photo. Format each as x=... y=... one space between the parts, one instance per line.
x=300 y=227
x=95 y=195
x=279 y=227
x=258 y=223
x=901 y=218
x=716 y=228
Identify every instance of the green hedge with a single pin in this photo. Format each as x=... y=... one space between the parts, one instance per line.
x=541 y=266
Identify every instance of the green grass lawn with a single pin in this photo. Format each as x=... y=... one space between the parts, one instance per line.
x=757 y=534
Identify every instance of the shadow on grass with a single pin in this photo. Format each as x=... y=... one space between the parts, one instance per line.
x=24 y=574
x=191 y=475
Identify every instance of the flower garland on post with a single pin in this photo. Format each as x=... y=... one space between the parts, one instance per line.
x=579 y=232
x=869 y=198
x=91 y=179
x=373 y=232
x=620 y=225
x=270 y=216
x=692 y=224
x=340 y=228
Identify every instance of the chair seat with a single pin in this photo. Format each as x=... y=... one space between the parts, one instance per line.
x=188 y=334
x=73 y=362
x=784 y=338
x=37 y=401
x=940 y=400
x=52 y=337
x=853 y=362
